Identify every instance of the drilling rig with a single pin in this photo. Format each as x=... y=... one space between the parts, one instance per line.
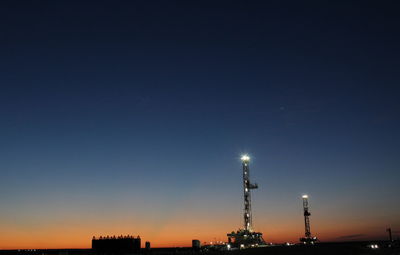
x=307 y=239
x=246 y=237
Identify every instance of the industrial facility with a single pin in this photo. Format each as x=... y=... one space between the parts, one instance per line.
x=307 y=239
x=116 y=245
x=246 y=237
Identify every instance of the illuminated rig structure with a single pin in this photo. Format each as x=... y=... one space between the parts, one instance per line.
x=307 y=239
x=246 y=237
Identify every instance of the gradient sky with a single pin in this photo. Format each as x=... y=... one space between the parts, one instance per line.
x=130 y=118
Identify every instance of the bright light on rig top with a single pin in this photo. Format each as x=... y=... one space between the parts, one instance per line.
x=245 y=157
x=305 y=196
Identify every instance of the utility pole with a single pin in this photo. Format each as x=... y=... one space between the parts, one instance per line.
x=389 y=230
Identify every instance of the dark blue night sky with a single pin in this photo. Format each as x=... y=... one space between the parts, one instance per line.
x=153 y=102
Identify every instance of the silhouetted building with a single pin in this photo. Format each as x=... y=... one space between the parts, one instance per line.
x=116 y=245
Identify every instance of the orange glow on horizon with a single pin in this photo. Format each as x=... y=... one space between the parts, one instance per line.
x=177 y=229
x=169 y=237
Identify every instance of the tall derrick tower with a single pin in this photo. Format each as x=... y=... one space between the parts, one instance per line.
x=307 y=239
x=246 y=237
x=247 y=187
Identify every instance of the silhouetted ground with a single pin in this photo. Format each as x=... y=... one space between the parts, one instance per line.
x=322 y=249
x=347 y=248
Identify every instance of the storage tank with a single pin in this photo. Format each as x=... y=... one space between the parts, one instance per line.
x=196 y=244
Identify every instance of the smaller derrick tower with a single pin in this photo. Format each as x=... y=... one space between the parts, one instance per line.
x=307 y=239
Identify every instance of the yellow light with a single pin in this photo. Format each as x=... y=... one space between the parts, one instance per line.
x=305 y=196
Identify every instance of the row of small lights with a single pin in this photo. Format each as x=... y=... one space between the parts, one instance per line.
x=374 y=246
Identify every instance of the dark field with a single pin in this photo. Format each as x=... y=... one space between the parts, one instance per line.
x=324 y=248
x=352 y=248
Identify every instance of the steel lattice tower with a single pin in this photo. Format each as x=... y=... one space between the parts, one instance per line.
x=246 y=237
x=307 y=239
x=306 y=217
x=247 y=187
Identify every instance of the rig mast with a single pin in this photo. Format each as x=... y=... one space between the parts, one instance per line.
x=307 y=239
x=306 y=217
x=247 y=187
x=246 y=237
